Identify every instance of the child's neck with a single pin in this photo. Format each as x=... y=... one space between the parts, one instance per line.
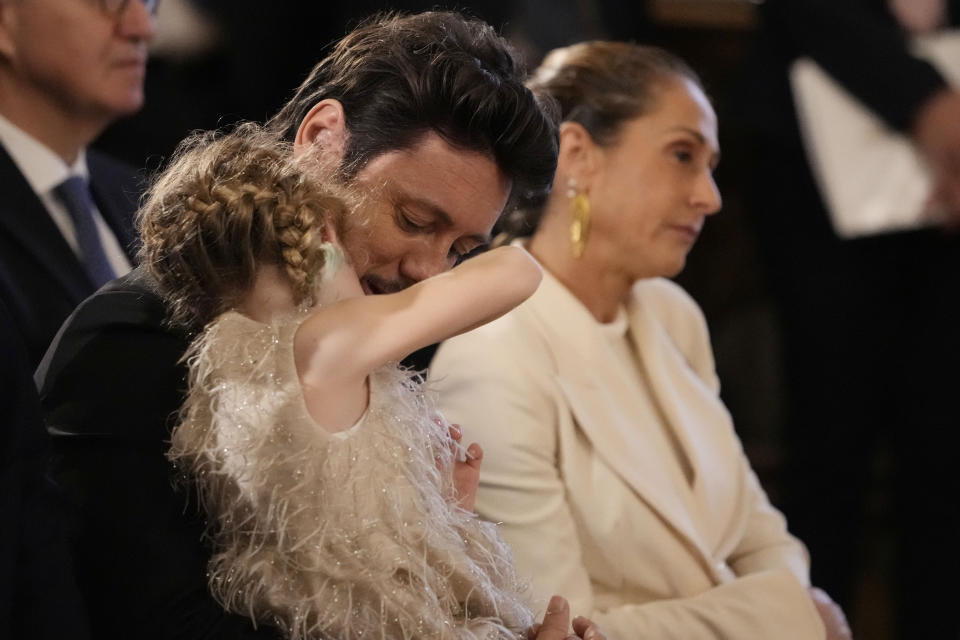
x=270 y=296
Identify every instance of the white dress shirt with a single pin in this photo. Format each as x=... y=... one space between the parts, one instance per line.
x=44 y=170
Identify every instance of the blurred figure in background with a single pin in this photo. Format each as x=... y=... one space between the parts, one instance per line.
x=610 y=460
x=67 y=70
x=870 y=323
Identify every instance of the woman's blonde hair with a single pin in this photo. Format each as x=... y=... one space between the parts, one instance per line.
x=225 y=204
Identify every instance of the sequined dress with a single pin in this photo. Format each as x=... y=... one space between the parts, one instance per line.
x=348 y=535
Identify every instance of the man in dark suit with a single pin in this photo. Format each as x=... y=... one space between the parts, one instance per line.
x=67 y=70
x=425 y=110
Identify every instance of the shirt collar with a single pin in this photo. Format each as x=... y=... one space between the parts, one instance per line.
x=618 y=326
x=42 y=168
x=576 y=312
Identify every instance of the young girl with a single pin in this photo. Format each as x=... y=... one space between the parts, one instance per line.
x=326 y=475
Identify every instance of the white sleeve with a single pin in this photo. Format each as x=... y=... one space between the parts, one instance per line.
x=759 y=606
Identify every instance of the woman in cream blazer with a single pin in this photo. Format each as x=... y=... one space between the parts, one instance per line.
x=610 y=460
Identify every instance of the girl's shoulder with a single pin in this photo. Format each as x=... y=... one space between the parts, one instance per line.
x=233 y=331
x=235 y=347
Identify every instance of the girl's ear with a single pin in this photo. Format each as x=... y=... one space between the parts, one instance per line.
x=329 y=234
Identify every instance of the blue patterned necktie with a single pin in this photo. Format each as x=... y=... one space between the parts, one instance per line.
x=74 y=193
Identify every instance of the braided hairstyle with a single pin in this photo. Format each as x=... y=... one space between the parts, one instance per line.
x=225 y=204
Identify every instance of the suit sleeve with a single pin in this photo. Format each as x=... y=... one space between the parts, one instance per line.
x=766 y=544
x=109 y=390
x=510 y=410
x=863 y=48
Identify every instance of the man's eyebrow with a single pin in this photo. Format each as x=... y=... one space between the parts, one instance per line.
x=443 y=218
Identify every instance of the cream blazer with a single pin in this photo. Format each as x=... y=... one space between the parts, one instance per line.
x=594 y=509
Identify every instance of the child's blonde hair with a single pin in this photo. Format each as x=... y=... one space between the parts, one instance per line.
x=227 y=203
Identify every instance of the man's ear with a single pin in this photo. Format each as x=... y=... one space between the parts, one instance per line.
x=579 y=155
x=323 y=130
x=8 y=22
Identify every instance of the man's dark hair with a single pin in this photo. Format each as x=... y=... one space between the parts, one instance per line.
x=400 y=77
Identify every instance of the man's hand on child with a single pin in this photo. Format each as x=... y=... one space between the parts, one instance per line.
x=556 y=624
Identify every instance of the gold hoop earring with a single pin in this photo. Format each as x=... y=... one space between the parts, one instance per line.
x=580 y=219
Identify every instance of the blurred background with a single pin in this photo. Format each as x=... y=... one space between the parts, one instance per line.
x=215 y=62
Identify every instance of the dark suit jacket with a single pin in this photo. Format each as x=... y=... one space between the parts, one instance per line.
x=38 y=594
x=110 y=387
x=41 y=279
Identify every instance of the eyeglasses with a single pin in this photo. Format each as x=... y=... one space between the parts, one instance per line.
x=116 y=7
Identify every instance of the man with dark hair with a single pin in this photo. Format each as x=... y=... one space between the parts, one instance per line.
x=471 y=95
x=429 y=110
x=437 y=92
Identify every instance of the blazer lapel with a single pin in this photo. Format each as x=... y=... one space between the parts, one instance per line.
x=24 y=218
x=596 y=395
x=699 y=420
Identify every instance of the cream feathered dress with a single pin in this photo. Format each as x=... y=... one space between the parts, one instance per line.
x=348 y=535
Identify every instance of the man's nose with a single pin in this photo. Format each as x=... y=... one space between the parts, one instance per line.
x=427 y=262
x=137 y=22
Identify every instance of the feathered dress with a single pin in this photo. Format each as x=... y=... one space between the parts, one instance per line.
x=334 y=535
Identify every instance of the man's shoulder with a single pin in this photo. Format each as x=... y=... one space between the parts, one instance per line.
x=126 y=314
x=130 y=299
x=115 y=361
x=106 y=168
x=16 y=188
